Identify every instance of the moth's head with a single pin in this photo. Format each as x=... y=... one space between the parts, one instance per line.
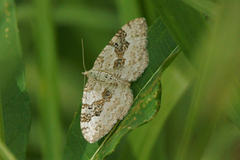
x=85 y=73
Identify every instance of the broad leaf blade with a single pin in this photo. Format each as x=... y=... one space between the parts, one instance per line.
x=184 y=23
x=16 y=115
x=147 y=104
x=160 y=46
x=15 y=101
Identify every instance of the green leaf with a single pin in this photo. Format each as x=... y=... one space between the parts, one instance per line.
x=15 y=101
x=184 y=23
x=146 y=105
x=16 y=115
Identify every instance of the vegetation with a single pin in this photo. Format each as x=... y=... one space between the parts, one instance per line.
x=187 y=103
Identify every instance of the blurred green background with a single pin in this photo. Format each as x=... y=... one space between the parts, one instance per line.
x=214 y=134
x=93 y=21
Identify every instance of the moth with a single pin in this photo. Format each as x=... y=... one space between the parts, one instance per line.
x=107 y=96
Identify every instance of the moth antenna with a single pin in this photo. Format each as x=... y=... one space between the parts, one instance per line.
x=83 y=56
x=83 y=60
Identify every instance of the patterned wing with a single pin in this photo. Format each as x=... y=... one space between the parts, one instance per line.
x=126 y=55
x=102 y=106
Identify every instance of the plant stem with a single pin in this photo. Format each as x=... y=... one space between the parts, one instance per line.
x=2 y=137
x=48 y=101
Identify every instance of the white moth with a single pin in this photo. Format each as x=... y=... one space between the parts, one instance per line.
x=107 y=96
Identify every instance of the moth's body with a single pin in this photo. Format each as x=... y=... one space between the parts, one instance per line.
x=107 y=96
x=105 y=77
